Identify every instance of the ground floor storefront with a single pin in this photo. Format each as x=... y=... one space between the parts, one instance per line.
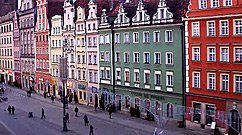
x=106 y=95
x=17 y=82
x=28 y=81
x=225 y=112
x=43 y=83
x=7 y=76
x=54 y=86
x=82 y=93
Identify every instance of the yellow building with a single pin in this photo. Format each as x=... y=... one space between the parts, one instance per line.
x=56 y=44
x=81 y=56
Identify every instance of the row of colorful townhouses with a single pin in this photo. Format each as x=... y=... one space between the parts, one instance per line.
x=176 y=59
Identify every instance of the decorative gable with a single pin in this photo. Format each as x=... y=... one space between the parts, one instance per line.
x=92 y=10
x=104 y=20
x=122 y=19
x=162 y=15
x=141 y=17
x=80 y=13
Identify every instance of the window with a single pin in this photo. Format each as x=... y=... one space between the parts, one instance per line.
x=83 y=42
x=79 y=74
x=224 y=82
x=53 y=43
x=147 y=58
x=211 y=55
x=147 y=78
x=126 y=37
x=146 y=37
x=157 y=79
x=127 y=76
x=102 y=56
x=94 y=26
x=169 y=79
x=238 y=84
x=211 y=81
x=117 y=38
x=53 y=57
x=108 y=74
x=126 y=57
x=79 y=58
x=90 y=59
x=83 y=59
x=107 y=40
x=89 y=41
x=136 y=77
x=43 y=51
x=95 y=59
x=196 y=54
x=196 y=80
x=118 y=57
x=215 y=3
x=169 y=58
x=94 y=41
x=195 y=29
x=211 y=28
x=224 y=54
x=101 y=39
x=72 y=57
x=72 y=42
x=59 y=43
x=84 y=75
x=224 y=28
x=157 y=36
x=102 y=74
x=169 y=36
x=107 y=56
x=118 y=74
x=157 y=58
x=203 y=4
x=89 y=26
x=121 y=18
x=227 y=2
x=238 y=27
x=90 y=76
x=135 y=37
x=95 y=77
x=47 y=51
x=43 y=64
x=238 y=54
x=72 y=74
x=78 y=42
x=136 y=57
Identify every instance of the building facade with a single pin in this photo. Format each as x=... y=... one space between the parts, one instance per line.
x=7 y=47
x=16 y=50
x=214 y=55
x=26 y=26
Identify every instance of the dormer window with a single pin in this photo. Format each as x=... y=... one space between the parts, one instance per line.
x=80 y=15
x=162 y=13
x=121 y=18
x=141 y=16
x=91 y=14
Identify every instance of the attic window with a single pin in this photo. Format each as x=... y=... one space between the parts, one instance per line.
x=93 y=7
x=162 y=13
x=121 y=18
x=140 y=16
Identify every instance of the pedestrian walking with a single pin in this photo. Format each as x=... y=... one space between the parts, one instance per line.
x=76 y=111
x=91 y=130
x=44 y=94
x=13 y=109
x=67 y=117
x=52 y=99
x=43 y=113
x=85 y=120
x=9 y=110
x=110 y=112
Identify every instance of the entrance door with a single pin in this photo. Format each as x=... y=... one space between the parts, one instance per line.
x=2 y=77
x=235 y=122
x=197 y=112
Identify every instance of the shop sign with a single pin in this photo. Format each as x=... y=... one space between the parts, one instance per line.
x=81 y=86
x=41 y=79
x=147 y=95
x=10 y=72
x=94 y=89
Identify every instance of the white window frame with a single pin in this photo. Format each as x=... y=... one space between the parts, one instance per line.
x=235 y=53
x=229 y=1
x=135 y=58
x=145 y=58
x=193 y=80
x=221 y=82
x=118 y=78
x=107 y=55
x=208 y=57
x=125 y=77
x=221 y=54
x=126 y=42
x=156 y=58
x=155 y=81
x=236 y=75
x=126 y=60
x=117 y=40
x=193 y=53
x=208 y=81
x=226 y=27
x=144 y=37
x=147 y=72
x=101 y=39
x=166 y=36
x=197 y=30
x=159 y=38
x=213 y=2
x=208 y=28
x=200 y=3
x=169 y=84
x=107 y=75
x=167 y=58
x=116 y=56
x=134 y=37
x=107 y=39
x=136 y=78
x=235 y=26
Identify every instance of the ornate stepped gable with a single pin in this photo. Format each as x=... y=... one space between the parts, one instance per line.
x=104 y=20
x=162 y=15
x=141 y=16
x=122 y=19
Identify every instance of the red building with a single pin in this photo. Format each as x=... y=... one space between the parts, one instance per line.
x=42 y=73
x=214 y=62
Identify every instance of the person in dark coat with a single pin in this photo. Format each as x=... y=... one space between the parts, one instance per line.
x=110 y=112
x=76 y=111
x=91 y=130
x=85 y=120
x=43 y=113
x=13 y=109
x=44 y=94
x=9 y=110
x=67 y=117
x=52 y=99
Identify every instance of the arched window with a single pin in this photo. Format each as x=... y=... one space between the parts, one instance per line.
x=147 y=105
x=158 y=107
x=169 y=110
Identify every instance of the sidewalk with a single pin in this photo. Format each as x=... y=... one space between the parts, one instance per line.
x=119 y=118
